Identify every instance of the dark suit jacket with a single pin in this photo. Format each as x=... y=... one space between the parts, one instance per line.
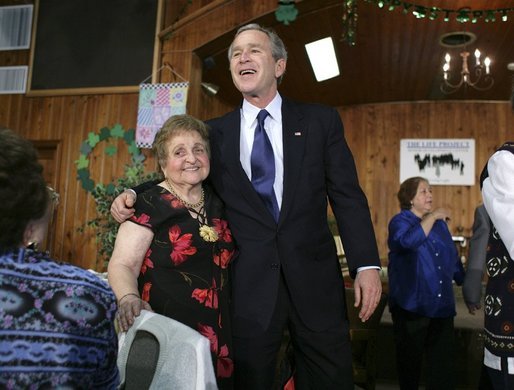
x=317 y=164
x=472 y=287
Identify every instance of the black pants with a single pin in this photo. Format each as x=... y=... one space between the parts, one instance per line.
x=322 y=360
x=500 y=379
x=417 y=337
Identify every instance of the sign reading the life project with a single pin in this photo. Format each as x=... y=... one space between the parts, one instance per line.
x=441 y=161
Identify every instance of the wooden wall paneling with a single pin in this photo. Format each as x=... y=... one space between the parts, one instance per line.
x=383 y=138
x=67 y=127
x=6 y=110
x=56 y=129
x=50 y=158
x=196 y=29
x=202 y=105
x=384 y=125
x=96 y=109
x=93 y=109
x=76 y=248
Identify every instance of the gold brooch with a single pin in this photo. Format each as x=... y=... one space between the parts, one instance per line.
x=208 y=233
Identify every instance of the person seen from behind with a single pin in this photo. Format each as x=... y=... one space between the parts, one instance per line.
x=56 y=319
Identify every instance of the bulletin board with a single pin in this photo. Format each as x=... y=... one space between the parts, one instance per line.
x=92 y=46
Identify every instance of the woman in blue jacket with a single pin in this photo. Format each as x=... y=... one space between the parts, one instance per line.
x=423 y=262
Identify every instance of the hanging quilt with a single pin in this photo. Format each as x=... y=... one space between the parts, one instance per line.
x=157 y=103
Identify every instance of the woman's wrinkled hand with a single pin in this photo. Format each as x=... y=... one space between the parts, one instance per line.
x=129 y=308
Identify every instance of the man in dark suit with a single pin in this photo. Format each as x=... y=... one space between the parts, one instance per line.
x=287 y=274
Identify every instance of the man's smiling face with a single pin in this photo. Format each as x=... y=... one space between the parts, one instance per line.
x=253 y=68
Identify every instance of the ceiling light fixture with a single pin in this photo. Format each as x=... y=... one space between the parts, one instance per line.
x=323 y=60
x=480 y=78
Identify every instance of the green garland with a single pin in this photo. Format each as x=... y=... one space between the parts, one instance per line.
x=105 y=135
x=462 y=15
x=349 y=19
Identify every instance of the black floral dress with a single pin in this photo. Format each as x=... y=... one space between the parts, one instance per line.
x=185 y=277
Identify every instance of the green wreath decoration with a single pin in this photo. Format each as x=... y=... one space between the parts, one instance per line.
x=86 y=148
x=104 y=224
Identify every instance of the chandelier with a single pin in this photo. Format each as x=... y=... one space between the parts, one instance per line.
x=478 y=78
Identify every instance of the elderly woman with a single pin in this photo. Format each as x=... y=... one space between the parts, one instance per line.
x=172 y=256
x=423 y=261
x=56 y=320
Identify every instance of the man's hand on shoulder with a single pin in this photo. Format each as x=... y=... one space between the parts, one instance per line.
x=122 y=207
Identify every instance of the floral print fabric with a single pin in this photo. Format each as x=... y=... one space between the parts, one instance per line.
x=185 y=276
x=56 y=325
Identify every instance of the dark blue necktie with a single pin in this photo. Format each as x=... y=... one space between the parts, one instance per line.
x=263 y=166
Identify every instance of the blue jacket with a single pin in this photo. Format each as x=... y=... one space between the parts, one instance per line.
x=421 y=268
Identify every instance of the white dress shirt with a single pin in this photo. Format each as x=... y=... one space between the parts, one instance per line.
x=273 y=128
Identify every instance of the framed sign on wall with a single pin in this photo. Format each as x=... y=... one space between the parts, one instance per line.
x=442 y=161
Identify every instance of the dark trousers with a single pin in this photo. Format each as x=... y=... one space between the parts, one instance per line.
x=500 y=379
x=322 y=360
x=417 y=337
x=485 y=380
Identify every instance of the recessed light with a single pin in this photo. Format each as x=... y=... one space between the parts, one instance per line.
x=457 y=39
x=323 y=60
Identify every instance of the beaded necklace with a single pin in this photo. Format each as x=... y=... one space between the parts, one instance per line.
x=208 y=233
x=187 y=204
